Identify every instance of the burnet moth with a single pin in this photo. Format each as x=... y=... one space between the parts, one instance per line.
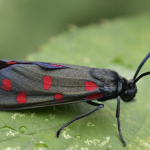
x=26 y=85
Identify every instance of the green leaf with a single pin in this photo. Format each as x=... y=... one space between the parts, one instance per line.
x=120 y=45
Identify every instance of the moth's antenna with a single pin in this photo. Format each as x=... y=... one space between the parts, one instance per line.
x=139 y=77
x=140 y=66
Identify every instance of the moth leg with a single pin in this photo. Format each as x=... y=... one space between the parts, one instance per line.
x=79 y=117
x=118 y=120
x=93 y=103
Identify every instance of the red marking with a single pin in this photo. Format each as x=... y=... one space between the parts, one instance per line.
x=21 y=97
x=58 y=97
x=47 y=82
x=90 y=86
x=11 y=63
x=56 y=65
x=6 y=85
x=94 y=96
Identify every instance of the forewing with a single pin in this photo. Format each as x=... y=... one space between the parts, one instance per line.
x=26 y=85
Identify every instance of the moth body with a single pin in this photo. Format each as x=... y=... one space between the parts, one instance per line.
x=25 y=85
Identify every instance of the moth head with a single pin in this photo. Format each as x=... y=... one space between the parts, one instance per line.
x=129 y=87
x=129 y=90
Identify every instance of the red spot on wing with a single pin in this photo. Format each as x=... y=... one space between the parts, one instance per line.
x=58 y=97
x=47 y=82
x=94 y=96
x=56 y=65
x=11 y=63
x=90 y=86
x=6 y=84
x=21 y=97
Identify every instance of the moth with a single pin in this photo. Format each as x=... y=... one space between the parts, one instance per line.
x=26 y=85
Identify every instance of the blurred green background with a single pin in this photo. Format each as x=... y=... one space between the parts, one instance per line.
x=25 y=25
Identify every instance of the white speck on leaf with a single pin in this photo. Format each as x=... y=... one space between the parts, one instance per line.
x=66 y=136
x=73 y=147
x=41 y=142
x=40 y=148
x=11 y=133
x=18 y=114
x=92 y=142
x=46 y=119
x=76 y=146
x=10 y=148
x=89 y=124
x=70 y=148
x=84 y=148
x=114 y=125
x=104 y=142
x=52 y=116
x=146 y=144
x=22 y=115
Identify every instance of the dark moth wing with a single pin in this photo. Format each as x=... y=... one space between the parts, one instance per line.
x=25 y=85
